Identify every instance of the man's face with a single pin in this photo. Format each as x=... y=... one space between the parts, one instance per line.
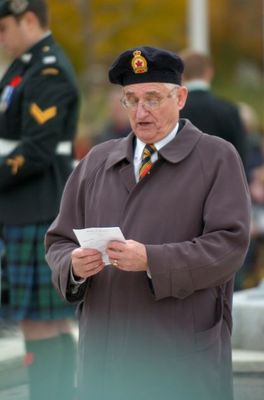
x=151 y=124
x=13 y=36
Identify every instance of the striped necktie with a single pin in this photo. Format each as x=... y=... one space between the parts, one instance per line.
x=146 y=163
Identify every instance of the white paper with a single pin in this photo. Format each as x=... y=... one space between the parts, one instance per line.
x=98 y=238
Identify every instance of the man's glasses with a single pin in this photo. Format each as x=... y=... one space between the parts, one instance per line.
x=150 y=103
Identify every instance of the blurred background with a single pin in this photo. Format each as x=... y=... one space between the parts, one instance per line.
x=94 y=32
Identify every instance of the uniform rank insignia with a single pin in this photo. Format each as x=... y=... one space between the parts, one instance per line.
x=42 y=116
x=7 y=93
x=139 y=63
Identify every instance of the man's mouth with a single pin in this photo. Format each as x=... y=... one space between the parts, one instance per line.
x=143 y=124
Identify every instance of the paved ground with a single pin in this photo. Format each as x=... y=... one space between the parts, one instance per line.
x=248 y=371
x=18 y=393
x=248 y=387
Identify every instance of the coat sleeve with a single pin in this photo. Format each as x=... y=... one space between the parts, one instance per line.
x=211 y=259
x=47 y=100
x=60 y=239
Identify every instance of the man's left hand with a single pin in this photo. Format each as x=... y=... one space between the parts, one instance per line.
x=128 y=255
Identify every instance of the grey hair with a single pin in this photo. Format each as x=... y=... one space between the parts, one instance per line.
x=171 y=85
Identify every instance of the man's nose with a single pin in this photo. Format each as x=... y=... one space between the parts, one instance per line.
x=141 y=110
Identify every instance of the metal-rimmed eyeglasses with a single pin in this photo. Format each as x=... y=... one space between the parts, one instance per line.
x=152 y=102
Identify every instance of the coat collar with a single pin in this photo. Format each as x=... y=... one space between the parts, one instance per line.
x=37 y=52
x=123 y=150
x=19 y=65
x=43 y=47
x=182 y=145
x=175 y=151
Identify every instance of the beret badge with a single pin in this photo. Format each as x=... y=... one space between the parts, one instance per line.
x=18 y=6
x=139 y=63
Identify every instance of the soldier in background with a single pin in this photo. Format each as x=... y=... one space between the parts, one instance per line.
x=38 y=117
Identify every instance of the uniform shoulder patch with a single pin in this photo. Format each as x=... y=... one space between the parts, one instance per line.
x=50 y=71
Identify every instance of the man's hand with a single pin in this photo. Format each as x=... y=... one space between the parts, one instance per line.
x=128 y=256
x=86 y=262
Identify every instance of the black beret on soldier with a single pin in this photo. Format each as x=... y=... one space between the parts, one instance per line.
x=13 y=7
x=146 y=64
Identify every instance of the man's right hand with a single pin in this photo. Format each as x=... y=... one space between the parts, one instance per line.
x=86 y=262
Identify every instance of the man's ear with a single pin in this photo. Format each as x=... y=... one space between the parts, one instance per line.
x=182 y=96
x=30 y=19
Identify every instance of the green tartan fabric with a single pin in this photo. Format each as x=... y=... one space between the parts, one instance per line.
x=27 y=290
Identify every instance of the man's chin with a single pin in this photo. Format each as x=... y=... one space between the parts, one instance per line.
x=146 y=137
x=145 y=130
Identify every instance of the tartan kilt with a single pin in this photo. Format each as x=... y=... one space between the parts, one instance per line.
x=27 y=290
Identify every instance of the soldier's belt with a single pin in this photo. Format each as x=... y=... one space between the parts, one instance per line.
x=7 y=146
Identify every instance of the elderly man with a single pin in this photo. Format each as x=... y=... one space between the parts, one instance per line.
x=156 y=323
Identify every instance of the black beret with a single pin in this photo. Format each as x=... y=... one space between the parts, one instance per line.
x=13 y=7
x=146 y=64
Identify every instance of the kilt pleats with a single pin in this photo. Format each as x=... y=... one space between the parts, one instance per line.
x=27 y=289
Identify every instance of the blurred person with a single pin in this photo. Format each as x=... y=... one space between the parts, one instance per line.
x=156 y=321
x=117 y=124
x=250 y=120
x=207 y=111
x=38 y=117
x=82 y=144
x=252 y=271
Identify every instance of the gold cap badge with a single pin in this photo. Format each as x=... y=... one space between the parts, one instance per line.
x=139 y=63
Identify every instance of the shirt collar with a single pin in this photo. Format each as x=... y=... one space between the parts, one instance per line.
x=161 y=143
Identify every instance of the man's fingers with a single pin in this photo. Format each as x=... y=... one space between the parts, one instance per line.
x=93 y=271
x=115 y=245
x=86 y=271
x=81 y=252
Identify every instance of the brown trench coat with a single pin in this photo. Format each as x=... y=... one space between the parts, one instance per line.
x=169 y=337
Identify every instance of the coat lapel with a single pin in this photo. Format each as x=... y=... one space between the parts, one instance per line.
x=123 y=154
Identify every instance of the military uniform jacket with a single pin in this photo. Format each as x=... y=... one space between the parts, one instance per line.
x=168 y=337
x=38 y=117
x=216 y=116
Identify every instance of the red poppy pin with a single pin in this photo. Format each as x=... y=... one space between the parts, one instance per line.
x=16 y=81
